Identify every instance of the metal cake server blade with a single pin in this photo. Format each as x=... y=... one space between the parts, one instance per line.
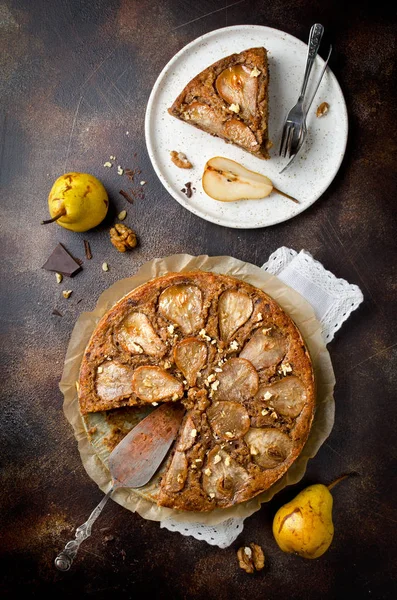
x=132 y=464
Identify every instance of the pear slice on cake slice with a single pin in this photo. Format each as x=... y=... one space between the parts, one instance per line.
x=229 y=100
x=228 y=181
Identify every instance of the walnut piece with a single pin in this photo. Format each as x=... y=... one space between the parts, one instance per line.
x=251 y=558
x=122 y=237
x=258 y=557
x=180 y=160
x=322 y=109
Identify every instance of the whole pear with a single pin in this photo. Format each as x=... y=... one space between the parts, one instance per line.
x=304 y=525
x=77 y=201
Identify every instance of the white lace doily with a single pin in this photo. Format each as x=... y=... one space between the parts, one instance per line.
x=221 y=535
x=332 y=300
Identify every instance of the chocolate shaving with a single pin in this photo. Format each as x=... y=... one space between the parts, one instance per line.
x=126 y=196
x=87 y=249
x=188 y=189
x=136 y=192
x=57 y=313
x=131 y=173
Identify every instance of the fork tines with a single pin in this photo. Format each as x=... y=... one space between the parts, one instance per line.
x=286 y=139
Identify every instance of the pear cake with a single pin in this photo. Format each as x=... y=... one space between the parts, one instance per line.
x=229 y=99
x=232 y=357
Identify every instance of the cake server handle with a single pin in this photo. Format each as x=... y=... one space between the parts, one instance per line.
x=64 y=560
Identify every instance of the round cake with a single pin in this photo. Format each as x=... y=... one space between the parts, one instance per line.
x=235 y=360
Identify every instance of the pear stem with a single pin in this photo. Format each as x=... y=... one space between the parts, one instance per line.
x=286 y=195
x=58 y=216
x=336 y=481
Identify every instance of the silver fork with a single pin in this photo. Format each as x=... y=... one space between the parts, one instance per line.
x=304 y=128
x=292 y=129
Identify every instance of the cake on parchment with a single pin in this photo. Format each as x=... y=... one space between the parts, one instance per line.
x=236 y=361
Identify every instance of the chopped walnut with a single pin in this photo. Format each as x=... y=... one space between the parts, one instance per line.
x=234 y=108
x=180 y=160
x=285 y=368
x=251 y=558
x=255 y=72
x=122 y=237
x=322 y=109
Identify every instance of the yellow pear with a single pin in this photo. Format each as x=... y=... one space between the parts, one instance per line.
x=77 y=201
x=304 y=526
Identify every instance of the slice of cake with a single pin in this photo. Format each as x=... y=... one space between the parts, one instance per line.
x=229 y=99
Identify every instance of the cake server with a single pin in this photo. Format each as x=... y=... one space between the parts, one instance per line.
x=132 y=464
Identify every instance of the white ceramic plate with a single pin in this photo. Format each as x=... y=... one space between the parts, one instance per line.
x=312 y=171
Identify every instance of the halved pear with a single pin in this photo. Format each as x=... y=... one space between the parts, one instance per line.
x=190 y=356
x=228 y=420
x=182 y=304
x=234 y=309
x=236 y=86
x=152 y=384
x=227 y=181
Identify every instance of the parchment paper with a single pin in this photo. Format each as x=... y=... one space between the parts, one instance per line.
x=294 y=305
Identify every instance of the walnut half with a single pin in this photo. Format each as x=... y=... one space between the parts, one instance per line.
x=251 y=558
x=122 y=237
x=180 y=160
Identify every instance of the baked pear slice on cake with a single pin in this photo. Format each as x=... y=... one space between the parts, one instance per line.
x=229 y=99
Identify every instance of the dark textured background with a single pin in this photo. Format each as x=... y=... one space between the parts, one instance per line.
x=75 y=77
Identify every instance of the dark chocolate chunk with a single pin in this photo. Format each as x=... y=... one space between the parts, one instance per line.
x=61 y=261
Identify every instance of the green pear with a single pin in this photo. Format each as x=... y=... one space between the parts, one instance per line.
x=304 y=526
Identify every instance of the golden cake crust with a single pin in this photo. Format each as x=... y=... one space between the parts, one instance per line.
x=229 y=99
x=236 y=361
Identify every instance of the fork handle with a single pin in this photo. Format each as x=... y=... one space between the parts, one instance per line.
x=316 y=33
